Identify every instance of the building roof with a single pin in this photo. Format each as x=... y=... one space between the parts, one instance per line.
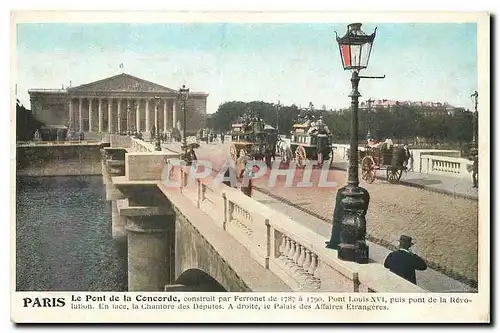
x=121 y=83
x=389 y=103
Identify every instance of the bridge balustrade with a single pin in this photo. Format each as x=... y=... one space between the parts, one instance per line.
x=293 y=252
x=446 y=166
x=120 y=141
x=137 y=145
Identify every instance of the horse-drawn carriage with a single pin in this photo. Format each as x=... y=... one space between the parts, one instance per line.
x=383 y=156
x=251 y=137
x=311 y=140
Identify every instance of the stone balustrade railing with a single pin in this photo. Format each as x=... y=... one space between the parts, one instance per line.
x=137 y=145
x=57 y=143
x=446 y=166
x=119 y=141
x=290 y=250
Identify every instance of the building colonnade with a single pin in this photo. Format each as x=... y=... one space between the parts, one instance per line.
x=122 y=114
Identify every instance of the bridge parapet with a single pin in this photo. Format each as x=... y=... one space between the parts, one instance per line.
x=119 y=141
x=293 y=252
x=147 y=165
x=445 y=165
x=137 y=145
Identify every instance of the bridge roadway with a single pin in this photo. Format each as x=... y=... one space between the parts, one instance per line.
x=443 y=227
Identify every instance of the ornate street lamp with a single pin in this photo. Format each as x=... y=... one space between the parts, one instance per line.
x=349 y=223
x=184 y=95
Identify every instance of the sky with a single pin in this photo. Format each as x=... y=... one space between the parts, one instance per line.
x=290 y=62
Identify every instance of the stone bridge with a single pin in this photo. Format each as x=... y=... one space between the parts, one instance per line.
x=201 y=237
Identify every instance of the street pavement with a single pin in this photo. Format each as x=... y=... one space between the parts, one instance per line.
x=444 y=227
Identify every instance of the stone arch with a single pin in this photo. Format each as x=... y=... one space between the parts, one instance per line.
x=197 y=280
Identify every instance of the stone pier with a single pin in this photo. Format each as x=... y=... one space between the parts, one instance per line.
x=147 y=219
x=115 y=166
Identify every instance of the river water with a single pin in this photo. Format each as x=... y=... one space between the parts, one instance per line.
x=63 y=236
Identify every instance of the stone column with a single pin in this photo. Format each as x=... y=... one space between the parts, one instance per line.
x=138 y=116
x=100 y=115
x=90 y=114
x=150 y=242
x=174 y=114
x=70 y=125
x=110 y=115
x=148 y=128
x=119 y=115
x=165 y=115
x=128 y=115
x=156 y=118
x=80 y=119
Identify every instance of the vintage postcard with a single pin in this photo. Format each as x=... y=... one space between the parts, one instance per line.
x=237 y=167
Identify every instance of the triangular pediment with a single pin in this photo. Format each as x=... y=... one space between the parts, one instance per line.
x=122 y=83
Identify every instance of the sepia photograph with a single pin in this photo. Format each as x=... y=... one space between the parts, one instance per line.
x=172 y=154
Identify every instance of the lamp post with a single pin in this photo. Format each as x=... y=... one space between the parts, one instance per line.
x=475 y=95
x=349 y=223
x=369 y=118
x=184 y=95
x=156 y=101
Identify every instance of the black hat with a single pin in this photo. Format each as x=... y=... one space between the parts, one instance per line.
x=406 y=239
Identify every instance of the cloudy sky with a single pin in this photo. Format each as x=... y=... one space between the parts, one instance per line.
x=291 y=62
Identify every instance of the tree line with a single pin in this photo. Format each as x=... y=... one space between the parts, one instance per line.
x=26 y=124
x=401 y=123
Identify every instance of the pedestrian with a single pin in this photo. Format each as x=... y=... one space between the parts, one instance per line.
x=474 y=171
x=403 y=262
x=222 y=138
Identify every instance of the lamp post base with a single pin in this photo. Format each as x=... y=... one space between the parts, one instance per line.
x=359 y=252
x=158 y=145
x=353 y=203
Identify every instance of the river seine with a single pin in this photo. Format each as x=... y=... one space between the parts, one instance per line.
x=63 y=236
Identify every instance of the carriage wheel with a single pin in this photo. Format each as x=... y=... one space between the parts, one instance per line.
x=300 y=156
x=368 y=169
x=233 y=152
x=394 y=175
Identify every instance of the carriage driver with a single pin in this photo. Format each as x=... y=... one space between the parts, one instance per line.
x=370 y=142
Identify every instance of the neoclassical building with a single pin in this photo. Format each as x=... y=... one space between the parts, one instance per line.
x=119 y=103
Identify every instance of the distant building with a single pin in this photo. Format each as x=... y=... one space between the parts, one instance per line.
x=117 y=104
x=425 y=108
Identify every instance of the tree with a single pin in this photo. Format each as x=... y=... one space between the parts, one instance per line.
x=402 y=123
x=26 y=124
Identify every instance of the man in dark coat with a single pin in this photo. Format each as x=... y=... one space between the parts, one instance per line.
x=474 y=170
x=403 y=262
